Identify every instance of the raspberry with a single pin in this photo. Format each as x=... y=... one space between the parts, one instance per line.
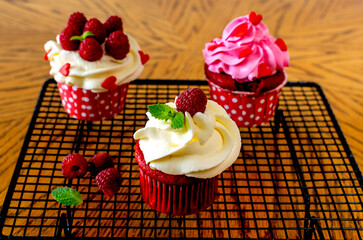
x=113 y=23
x=96 y=27
x=77 y=20
x=109 y=180
x=192 y=100
x=221 y=79
x=74 y=165
x=100 y=162
x=65 y=38
x=90 y=50
x=117 y=45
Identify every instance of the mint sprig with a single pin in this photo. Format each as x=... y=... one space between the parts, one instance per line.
x=165 y=112
x=178 y=121
x=67 y=196
x=83 y=36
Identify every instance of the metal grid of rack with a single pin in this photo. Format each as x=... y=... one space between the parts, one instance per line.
x=295 y=177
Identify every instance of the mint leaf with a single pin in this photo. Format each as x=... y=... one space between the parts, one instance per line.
x=161 y=111
x=67 y=196
x=83 y=36
x=178 y=121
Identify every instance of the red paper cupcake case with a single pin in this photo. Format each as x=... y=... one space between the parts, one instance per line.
x=91 y=106
x=178 y=199
x=245 y=108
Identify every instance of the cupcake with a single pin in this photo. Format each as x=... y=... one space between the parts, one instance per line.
x=181 y=151
x=245 y=69
x=93 y=63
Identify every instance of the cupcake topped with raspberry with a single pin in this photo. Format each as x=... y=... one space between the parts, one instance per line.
x=246 y=57
x=94 y=56
x=193 y=137
x=181 y=151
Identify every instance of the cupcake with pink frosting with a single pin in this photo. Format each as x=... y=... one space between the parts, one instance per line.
x=245 y=69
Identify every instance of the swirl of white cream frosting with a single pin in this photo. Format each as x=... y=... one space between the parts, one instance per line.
x=207 y=144
x=90 y=75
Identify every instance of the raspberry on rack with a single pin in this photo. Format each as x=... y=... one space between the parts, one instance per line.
x=109 y=181
x=74 y=165
x=117 y=45
x=192 y=100
x=90 y=50
x=96 y=27
x=113 y=23
x=99 y=162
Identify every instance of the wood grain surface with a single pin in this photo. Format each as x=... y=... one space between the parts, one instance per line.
x=324 y=38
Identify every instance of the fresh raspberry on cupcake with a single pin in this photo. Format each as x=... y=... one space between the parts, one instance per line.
x=77 y=20
x=65 y=38
x=192 y=100
x=90 y=50
x=96 y=27
x=117 y=45
x=112 y=24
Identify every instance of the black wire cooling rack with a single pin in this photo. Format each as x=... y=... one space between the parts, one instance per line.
x=295 y=177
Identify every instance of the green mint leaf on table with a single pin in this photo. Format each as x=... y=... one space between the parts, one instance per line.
x=67 y=196
x=165 y=112
x=161 y=111
x=178 y=121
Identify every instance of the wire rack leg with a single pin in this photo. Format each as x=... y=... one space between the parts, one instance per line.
x=314 y=224
x=64 y=223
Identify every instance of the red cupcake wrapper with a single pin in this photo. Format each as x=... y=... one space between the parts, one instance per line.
x=246 y=108
x=178 y=199
x=86 y=105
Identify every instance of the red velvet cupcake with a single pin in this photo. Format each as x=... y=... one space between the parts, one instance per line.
x=178 y=171
x=245 y=70
x=175 y=194
x=93 y=64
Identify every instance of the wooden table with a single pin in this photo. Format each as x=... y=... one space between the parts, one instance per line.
x=324 y=39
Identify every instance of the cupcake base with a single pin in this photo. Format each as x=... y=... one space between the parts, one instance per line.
x=86 y=105
x=247 y=109
x=188 y=197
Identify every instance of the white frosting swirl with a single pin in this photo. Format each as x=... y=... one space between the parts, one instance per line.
x=90 y=75
x=208 y=143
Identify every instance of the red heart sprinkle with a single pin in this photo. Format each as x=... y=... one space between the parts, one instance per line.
x=64 y=70
x=264 y=70
x=109 y=83
x=212 y=47
x=46 y=55
x=244 y=53
x=255 y=19
x=144 y=57
x=241 y=30
x=279 y=42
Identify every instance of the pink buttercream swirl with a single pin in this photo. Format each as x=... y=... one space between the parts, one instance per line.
x=241 y=50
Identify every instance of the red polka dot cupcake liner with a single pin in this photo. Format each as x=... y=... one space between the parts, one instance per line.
x=86 y=105
x=246 y=108
x=178 y=199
